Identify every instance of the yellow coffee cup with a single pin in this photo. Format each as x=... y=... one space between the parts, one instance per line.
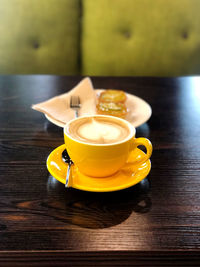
x=99 y=145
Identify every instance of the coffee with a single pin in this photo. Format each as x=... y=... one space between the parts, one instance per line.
x=100 y=145
x=98 y=130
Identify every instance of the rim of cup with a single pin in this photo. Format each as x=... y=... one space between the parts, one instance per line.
x=130 y=126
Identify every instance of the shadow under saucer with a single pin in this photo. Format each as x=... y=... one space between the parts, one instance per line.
x=96 y=210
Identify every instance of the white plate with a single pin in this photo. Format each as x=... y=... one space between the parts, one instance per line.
x=139 y=111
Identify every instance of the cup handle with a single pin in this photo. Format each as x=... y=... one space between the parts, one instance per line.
x=141 y=141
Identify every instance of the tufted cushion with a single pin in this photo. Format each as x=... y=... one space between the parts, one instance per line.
x=141 y=37
x=39 y=36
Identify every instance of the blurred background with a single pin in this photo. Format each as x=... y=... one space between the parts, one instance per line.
x=100 y=37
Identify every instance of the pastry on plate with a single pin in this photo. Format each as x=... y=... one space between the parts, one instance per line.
x=111 y=108
x=116 y=96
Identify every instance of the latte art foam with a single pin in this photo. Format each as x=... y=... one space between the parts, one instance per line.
x=98 y=130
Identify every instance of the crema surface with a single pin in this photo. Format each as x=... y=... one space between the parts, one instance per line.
x=98 y=130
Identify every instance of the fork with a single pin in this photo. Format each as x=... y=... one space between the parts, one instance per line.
x=75 y=104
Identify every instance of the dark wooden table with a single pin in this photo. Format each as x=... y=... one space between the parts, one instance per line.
x=155 y=223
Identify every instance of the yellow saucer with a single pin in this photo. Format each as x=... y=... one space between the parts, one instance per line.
x=131 y=174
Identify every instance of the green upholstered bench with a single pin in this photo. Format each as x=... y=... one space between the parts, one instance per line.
x=100 y=37
x=39 y=36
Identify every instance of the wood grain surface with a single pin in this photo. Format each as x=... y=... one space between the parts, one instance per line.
x=154 y=223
